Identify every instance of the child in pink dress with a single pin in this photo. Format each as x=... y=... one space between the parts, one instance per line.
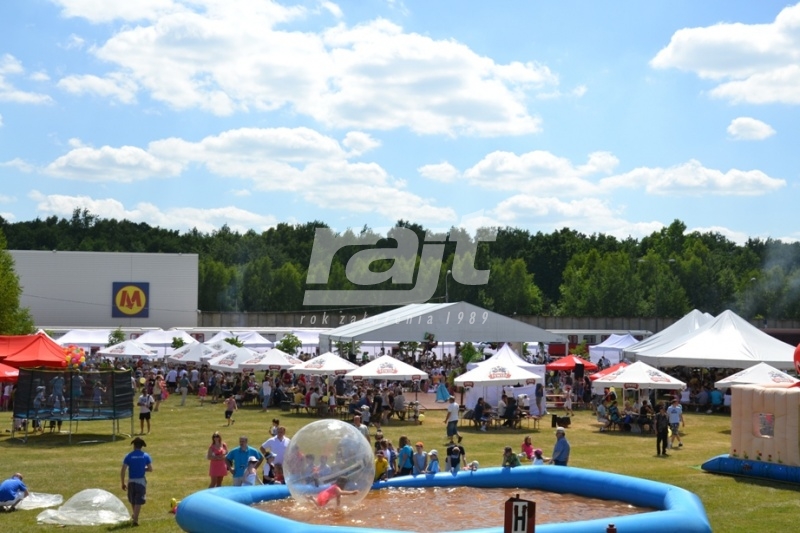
x=202 y=392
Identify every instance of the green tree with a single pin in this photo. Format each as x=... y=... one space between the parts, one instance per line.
x=287 y=288
x=14 y=320
x=256 y=285
x=289 y=344
x=512 y=290
x=115 y=337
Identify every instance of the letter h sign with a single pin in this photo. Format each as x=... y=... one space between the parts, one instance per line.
x=520 y=516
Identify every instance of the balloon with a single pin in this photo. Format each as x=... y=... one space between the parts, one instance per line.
x=421 y=418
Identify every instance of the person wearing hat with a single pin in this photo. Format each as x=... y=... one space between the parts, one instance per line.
x=675 y=414
x=136 y=464
x=451 y=419
x=268 y=477
x=433 y=463
x=561 y=448
x=251 y=472
x=510 y=459
x=381 y=466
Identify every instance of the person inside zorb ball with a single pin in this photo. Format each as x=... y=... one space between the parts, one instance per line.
x=327 y=457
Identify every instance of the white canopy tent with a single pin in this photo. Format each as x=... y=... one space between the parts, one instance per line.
x=389 y=368
x=162 y=339
x=231 y=361
x=254 y=340
x=220 y=336
x=85 y=338
x=221 y=346
x=192 y=353
x=443 y=322
x=132 y=349
x=274 y=359
x=505 y=357
x=611 y=348
x=327 y=364
x=760 y=374
x=309 y=338
x=727 y=341
x=667 y=336
x=638 y=376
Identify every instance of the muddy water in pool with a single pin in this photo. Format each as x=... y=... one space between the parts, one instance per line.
x=447 y=509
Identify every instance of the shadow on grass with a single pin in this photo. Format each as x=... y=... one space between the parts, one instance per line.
x=54 y=440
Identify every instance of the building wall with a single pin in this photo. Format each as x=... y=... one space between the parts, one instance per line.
x=74 y=289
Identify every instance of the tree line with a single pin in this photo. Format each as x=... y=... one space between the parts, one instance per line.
x=564 y=273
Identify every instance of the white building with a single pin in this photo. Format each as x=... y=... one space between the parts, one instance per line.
x=108 y=289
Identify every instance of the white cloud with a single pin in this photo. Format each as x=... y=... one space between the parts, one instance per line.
x=300 y=161
x=5 y=199
x=115 y=86
x=749 y=129
x=1 y=121
x=692 y=178
x=444 y=172
x=242 y=192
x=359 y=142
x=125 y=165
x=226 y=59
x=753 y=63
x=101 y=11
x=333 y=9
x=181 y=218
x=539 y=172
x=547 y=214
x=11 y=66
x=18 y=164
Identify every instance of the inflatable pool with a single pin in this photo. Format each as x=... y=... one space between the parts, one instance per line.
x=228 y=509
x=733 y=466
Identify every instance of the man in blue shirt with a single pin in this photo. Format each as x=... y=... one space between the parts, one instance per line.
x=237 y=460
x=12 y=491
x=561 y=449
x=137 y=463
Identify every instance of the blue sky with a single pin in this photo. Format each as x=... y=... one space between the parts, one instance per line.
x=604 y=117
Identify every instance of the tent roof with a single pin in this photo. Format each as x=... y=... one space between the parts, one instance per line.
x=327 y=363
x=762 y=374
x=497 y=374
x=666 y=337
x=728 y=341
x=41 y=350
x=639 y=375
x=85 y=337
x=387 y=367
x=448 y=322
x=191 y=353
x=8 y=373
x=13 y=343
x=160 y=337
x=505 y=356
x=606 y=371
x=232 y=361
x=130 y=348
x=569 y=362
x=616 y=342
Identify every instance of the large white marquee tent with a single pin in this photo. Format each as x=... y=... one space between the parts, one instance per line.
x=667 y=336
x=728 y=341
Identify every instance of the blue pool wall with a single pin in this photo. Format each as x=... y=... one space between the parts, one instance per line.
x=734 y=466
x=228 y=509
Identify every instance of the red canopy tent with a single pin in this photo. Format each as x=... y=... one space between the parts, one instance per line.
x=13 y=343
x=40 y=351
x=607 y=371
x=8 y=373
x=568 y=364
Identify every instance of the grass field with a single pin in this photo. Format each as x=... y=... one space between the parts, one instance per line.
x=180 y=437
